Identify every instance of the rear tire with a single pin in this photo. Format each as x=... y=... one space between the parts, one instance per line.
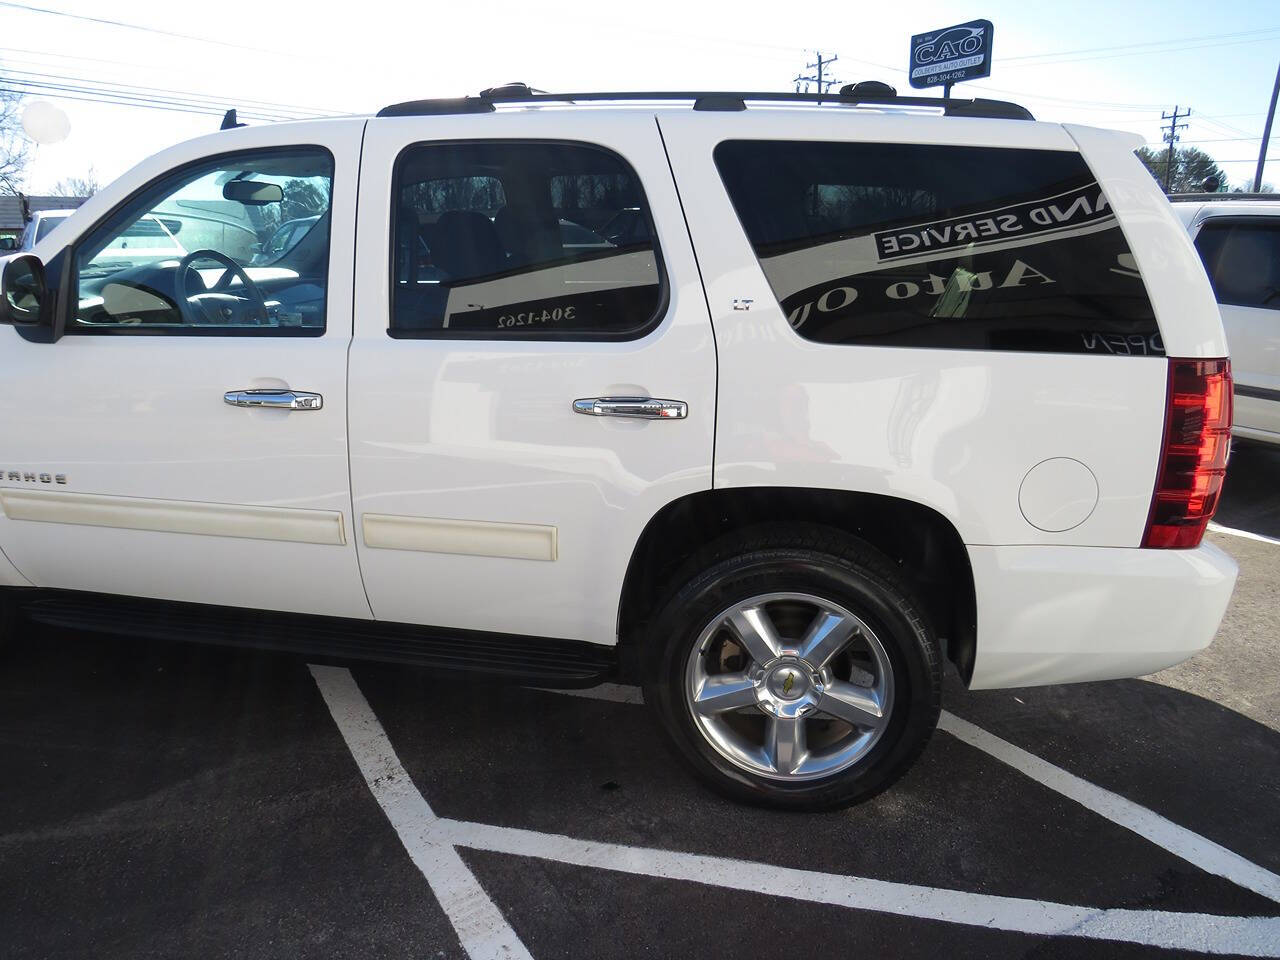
x=792 y=667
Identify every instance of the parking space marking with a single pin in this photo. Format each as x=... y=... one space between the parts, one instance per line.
x=479 y=924
x=612 y=692
x=1207 y=933
x=1245 y=534
x=1151 y=826
x=1200 y=851
x=432 y=843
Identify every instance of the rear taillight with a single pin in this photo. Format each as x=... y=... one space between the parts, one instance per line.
x=1193 y=459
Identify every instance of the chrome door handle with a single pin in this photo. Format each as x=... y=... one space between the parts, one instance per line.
x=639 y=408
x=274 y=399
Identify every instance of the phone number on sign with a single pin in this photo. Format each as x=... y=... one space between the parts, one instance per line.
x=532 y=317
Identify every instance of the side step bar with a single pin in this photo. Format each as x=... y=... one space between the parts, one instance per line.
x=528 y=660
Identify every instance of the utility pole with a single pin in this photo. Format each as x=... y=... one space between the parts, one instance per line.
x=1171 y=136
x=818 y=78
x=1266 y=135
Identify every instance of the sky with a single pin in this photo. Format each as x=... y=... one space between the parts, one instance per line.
x=1112 y=64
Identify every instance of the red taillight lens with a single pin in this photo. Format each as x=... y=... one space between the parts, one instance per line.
x=1193 y=461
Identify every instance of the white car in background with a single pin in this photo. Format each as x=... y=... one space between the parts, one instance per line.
x=147 y=240
x=40 y=226
x=1239 y=243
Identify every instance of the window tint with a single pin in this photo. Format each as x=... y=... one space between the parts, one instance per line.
x=1242 y=258
x=237 y=245
x=936 y=246
x=497 y=240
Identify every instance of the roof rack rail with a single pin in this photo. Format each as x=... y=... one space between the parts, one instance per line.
x=516 y=93
x=1224 y=196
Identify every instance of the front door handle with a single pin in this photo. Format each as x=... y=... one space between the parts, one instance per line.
x=638 y=408
x=274 y=399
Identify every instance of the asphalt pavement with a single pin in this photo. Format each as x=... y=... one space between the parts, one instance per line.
x=180 y=801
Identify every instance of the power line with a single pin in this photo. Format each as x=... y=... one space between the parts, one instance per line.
x=136 y=26
x=39 y=77
x=124 y=98
x=1227 y=128
x=121 y=96
x=1148 y=43
x=1137 y=53
x=1107 y=105
x=148 y=106
x=1195 y=140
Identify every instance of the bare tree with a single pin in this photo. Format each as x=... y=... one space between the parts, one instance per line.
x=14 y=146
x=83 y=186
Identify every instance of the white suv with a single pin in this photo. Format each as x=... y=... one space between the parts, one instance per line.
x=1238 y=238
x=881 y=382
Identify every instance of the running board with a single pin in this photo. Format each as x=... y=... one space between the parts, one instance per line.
x=530 y=660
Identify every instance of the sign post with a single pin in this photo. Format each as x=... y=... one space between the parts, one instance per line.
x=951 y=55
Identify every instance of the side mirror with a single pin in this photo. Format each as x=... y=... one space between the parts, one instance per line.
x=252 y=193
x=24 y=298
x=8 y=243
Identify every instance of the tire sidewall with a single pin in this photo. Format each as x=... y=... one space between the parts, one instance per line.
x=916 y=672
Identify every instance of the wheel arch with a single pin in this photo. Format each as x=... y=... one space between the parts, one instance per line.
x=924 y=543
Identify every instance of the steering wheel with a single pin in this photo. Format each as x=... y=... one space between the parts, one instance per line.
x=216 y=303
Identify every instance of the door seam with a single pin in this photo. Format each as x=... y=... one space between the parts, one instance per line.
x=715 y=346
x=355 y=288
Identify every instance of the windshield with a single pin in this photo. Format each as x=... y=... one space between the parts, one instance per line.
x=46 y=225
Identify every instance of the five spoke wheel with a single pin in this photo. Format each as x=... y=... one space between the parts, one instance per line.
x=789 y=686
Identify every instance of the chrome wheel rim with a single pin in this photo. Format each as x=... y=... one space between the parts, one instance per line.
x=789 y=686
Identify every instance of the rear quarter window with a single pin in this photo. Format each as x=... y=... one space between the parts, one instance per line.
x=938 y=246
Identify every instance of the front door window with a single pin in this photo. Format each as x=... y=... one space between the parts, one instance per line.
x=238 y=245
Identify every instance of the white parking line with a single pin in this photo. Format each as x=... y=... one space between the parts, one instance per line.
x=479 y=924
x=1203 y=853
x=1195 y=849
x=1244 y=534
x=1208 y=933
x=612 y=692
x=484 y=932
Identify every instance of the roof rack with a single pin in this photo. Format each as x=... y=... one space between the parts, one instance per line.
x=849 y=95
x=1224 y=196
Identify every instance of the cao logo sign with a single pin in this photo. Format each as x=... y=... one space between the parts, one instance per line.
x=962 y=52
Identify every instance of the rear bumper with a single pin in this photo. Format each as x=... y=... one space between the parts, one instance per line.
x=1063 y=614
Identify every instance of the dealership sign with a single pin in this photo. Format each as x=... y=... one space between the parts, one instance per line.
x=944 y=57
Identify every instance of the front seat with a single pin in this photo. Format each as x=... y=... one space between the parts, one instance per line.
x=467 y=245
x=527 y=237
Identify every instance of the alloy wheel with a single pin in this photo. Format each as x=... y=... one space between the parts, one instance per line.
x=789 y=686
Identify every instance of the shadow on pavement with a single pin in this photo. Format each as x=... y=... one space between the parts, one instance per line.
x=169 y=800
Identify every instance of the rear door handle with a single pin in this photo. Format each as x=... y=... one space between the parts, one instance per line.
x=275 y=399
x=636 y=408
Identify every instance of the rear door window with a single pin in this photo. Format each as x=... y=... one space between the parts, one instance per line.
x=1242 y=258
x=507 y=240
x=940 y=246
